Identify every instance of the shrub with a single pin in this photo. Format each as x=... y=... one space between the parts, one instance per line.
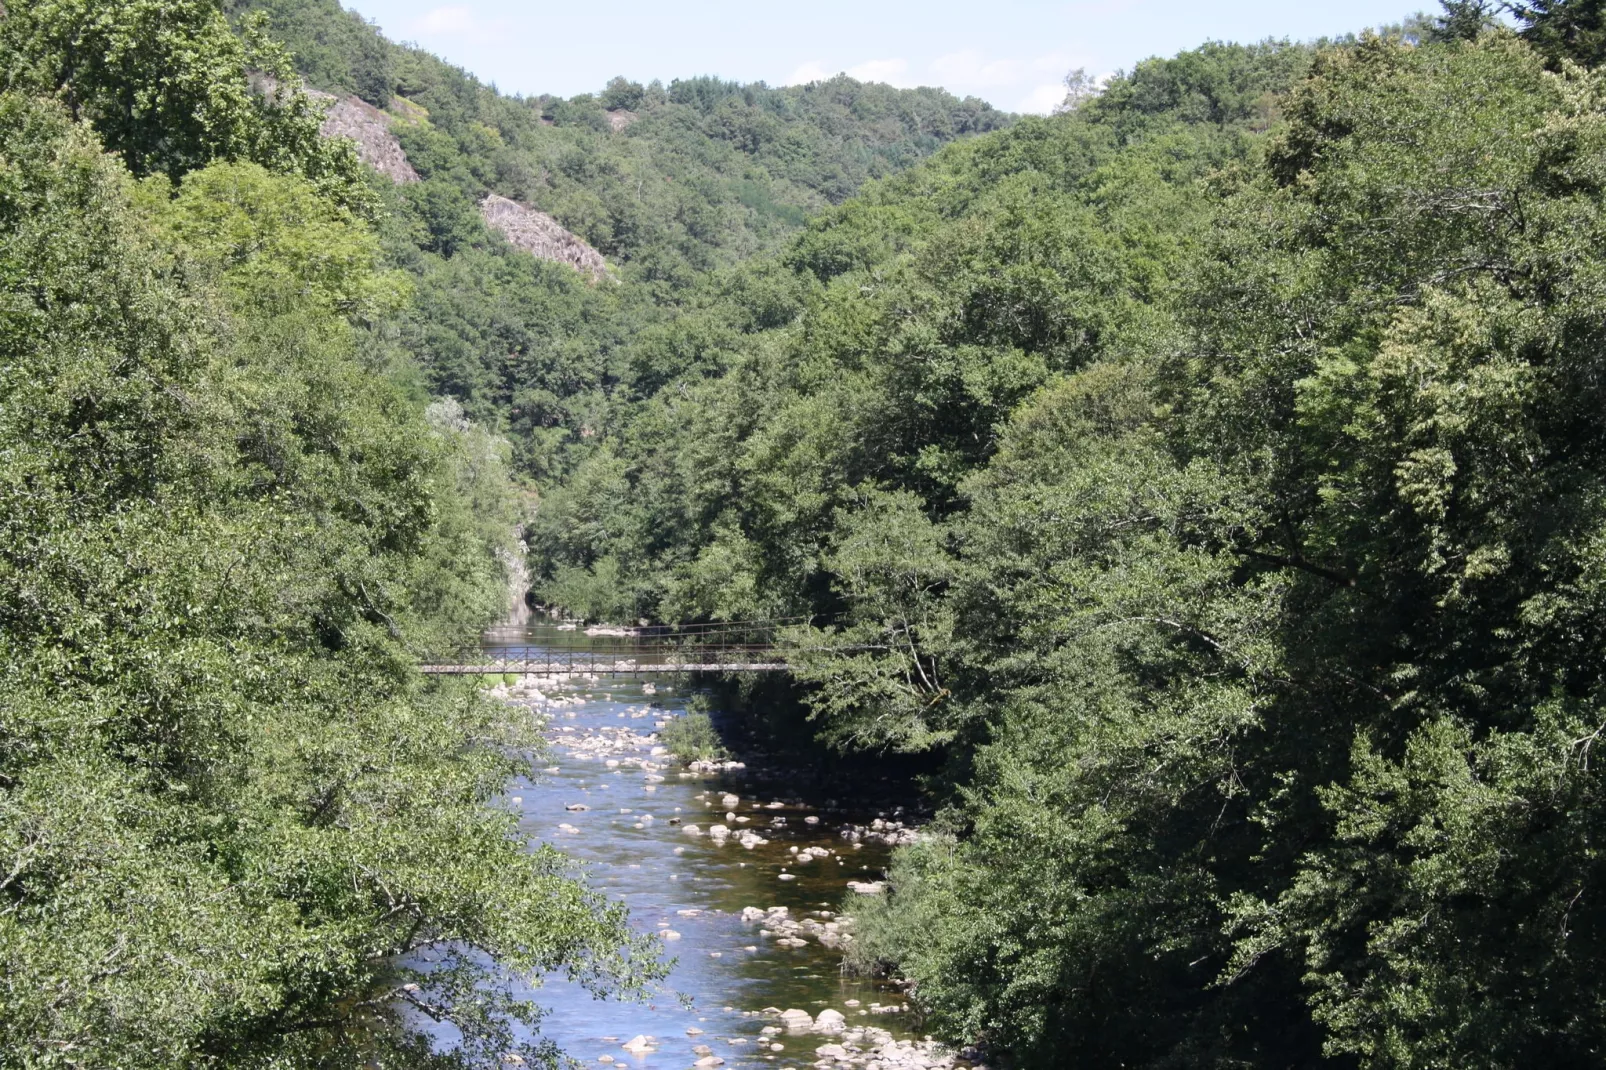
x=693 y=738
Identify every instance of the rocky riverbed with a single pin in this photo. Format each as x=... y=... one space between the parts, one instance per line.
x=748 y=886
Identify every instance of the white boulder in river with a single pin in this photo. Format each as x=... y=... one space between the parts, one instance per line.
x=829 y=1021
x=797 y=1021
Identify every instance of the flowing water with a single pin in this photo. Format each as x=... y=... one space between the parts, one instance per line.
x=634 y=842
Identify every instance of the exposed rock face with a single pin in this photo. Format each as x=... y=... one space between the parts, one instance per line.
x=540 y=235
x=370 y=129
x=525 y=228
x=620 y=118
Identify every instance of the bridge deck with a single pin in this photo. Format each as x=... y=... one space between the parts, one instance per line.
x=600 y=668
x=613 y=654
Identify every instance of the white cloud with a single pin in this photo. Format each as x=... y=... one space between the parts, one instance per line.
x=812 y=71
x=1043 y=99
x=892 y=71
x=444 y=20
x=971 y=69
x=1031 y=83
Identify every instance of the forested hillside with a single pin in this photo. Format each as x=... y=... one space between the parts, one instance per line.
x=256 y=407
x=667 y=184
x=1212 y=478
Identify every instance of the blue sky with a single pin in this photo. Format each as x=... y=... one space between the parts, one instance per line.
x=1010 y=52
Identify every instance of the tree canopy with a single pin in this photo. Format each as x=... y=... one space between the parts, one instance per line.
x=234 y=819
x=1208 y=474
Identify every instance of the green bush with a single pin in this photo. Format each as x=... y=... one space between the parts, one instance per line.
x=693 y=738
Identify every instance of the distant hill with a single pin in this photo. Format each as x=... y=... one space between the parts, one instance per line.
x=663 y=181
x=508 y=212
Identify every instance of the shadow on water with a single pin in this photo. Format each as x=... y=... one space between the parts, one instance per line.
x=764 y=723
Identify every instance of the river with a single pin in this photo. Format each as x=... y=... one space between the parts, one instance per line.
x=691 y=889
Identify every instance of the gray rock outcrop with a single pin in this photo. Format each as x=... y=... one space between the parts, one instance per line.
x=540 y=235
x=370 y=129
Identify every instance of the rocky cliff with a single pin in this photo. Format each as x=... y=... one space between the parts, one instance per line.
x=540 y=235
x=370 y=129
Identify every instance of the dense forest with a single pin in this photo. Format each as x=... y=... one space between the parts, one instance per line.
x=1210 y=478
x=1207 y=481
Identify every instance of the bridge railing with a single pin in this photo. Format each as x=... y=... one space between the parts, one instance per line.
x=741 y=646
x=617 y=658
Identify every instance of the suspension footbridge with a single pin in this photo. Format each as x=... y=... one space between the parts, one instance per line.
x=571 y=650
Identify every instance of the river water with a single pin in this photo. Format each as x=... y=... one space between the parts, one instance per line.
x=634 y=843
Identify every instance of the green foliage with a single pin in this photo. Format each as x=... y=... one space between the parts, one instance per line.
x=98 y=59
x=691 y=737
x=892 y=566
x=231 y=813
x=1560 y=29
x=1211 y=474
x=276 y=243
x=448 y=217
x=1463 y=20
x=334 y=48
x=623 y=93
x=884 y=353
x=1278 y=638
